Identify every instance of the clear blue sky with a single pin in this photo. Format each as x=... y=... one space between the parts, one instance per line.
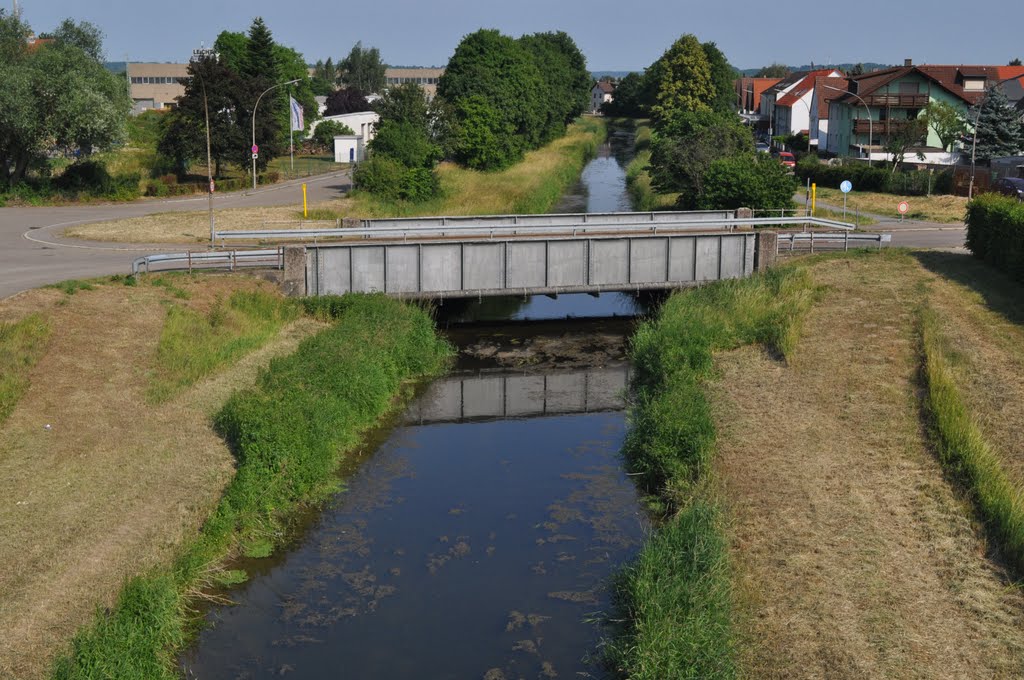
x=621 y=35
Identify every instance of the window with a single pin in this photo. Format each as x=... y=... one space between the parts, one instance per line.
x=974 y=84
x=909 y=88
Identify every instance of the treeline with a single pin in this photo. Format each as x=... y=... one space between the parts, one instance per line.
x=700 y=148
x=498 y=98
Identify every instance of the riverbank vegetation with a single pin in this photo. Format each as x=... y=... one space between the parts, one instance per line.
x=533 y=185
x=677 y=598
x=287 y=434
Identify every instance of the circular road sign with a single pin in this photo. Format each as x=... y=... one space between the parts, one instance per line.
x=211 y=186
x=255 y=149
x=903 y=207
x=846 y=187
x=255 y=156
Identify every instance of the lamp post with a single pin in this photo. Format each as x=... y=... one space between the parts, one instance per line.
x=865 y=108
x=197 y=55
x=974 y=148
x=272 y=87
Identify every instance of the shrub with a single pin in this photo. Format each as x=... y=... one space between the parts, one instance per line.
x=995 y=232
x=390 y=179
x=874 y=178
x=747 y=181
x=91 y=176
x=323 y=135
x=406 y=143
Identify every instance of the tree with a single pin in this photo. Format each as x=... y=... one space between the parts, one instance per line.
x=948 y=123
x=407 y=143
x=405 y=103
x=260 y=72
x=1014 y=62
x=323 y=135
x=566 y=82
x=682 y=153
x=57 y=97
x=633 y=97
x=348 y=100
x=776 y=70
x=485 y=138
x=857 y=70
x=363 y=69
x=910 y=133
x=724 y=99
x=747 y=181
x=83 y=35
x=184 y=134
x=232 y=48
x=999 y=131
x=682 y=77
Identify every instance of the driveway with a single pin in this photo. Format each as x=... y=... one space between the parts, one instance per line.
x=32 y=252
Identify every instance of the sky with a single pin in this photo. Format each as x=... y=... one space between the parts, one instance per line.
x=624 y=35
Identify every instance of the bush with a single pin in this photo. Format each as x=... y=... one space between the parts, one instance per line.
x=995 y=232
x=390 y=179
x=91 y=176
x=406 y=143
x=759 y=182
x=873 y=178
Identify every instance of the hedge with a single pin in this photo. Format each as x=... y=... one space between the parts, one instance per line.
x=875 y=178
x=995 y=232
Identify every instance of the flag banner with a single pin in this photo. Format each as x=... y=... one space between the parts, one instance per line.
x=298 y=123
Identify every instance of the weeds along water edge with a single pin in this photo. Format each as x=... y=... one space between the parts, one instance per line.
x=287 y=433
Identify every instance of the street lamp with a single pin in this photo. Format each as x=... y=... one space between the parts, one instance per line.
x=865 y=108
x=272 y=87
x=974 y=148
x=197 y=55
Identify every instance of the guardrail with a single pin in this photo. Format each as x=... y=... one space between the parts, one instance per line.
x=229 y=259
x=793 y=242
x=549 y=231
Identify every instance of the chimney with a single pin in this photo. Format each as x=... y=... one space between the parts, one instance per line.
x=908 y=62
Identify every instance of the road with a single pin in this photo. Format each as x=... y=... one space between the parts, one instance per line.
x=33 y=253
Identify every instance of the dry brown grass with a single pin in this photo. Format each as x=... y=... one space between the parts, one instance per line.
x=935 y=208
x=115 y=485
x=856 y=557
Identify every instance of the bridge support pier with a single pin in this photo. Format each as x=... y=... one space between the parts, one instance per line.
x=293 y=284
x=767 y=250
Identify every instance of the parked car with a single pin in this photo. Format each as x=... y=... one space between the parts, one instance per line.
x=787 y=159
x=1010 y=186
x=763 y=147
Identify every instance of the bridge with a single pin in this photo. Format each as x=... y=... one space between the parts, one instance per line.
x=503 y=395
x=551 y=254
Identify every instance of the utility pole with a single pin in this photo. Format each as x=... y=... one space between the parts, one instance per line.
x=17 y=10
x=974 y=148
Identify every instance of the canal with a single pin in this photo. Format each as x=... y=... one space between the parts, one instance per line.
x=478 y=530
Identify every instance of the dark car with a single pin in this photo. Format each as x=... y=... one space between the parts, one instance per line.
x=1010 y=186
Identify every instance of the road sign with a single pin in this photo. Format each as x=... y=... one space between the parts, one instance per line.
x=255 y=149
x=211 y=186
x=255 y=156
x=846 y=187
x=903 y=207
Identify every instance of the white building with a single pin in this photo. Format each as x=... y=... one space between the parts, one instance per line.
x=601 y=93
x=352 y=148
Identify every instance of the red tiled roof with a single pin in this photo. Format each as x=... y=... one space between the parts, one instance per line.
x=805 y=85
x=606 y=86
x=949 y=77
x=825 y=95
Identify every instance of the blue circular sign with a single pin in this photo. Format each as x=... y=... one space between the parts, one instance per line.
x=846 y=187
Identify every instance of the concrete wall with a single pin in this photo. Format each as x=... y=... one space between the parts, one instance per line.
x=495 y=396
x=470 y=268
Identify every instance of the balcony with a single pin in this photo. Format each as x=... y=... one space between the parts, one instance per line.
x=897 y=101
x=878 y=127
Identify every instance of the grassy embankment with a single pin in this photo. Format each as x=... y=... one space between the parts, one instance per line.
x=677 y=597
x=21 y=345
x=532 y=186
x=638 y=178
x=973 y=370
x=935 y=208
x=288 y=434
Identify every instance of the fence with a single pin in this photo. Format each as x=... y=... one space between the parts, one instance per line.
x=819 y=241
x=211 y=259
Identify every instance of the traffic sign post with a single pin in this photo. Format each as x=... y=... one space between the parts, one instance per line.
x=846 y=187
x=903 y=208
x=255 y=149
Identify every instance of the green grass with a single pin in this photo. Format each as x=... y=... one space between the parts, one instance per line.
x=963 y=450
x=71 y=286
x=288 y=434
x=305 y=166
x=194 y=345
x=638 y=177
x=22 y=343
x=676 y=599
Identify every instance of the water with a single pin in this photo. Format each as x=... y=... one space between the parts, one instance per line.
x=477 y=536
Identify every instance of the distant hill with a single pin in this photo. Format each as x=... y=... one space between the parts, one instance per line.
x=597 y=75
x=845 y=68
x=116 y=66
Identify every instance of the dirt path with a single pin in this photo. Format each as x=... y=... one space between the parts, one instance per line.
x=114 y=485
x=856 y=558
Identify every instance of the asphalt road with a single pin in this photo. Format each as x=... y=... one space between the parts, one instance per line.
x=32 y=252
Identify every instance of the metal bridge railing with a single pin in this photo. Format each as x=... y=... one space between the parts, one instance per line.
x=811 y=241
x=211 y=259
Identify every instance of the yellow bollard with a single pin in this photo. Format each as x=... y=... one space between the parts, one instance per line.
x=814 y=196
x=305 y=212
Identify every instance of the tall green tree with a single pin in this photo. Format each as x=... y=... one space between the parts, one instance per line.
x=363 y=69
x=83 y=35
x=566 y=80
x=233 y=50
x=999 y=132
x=947 y=121
x=683 y=80
x=260 y=72
x=723 y=74
x=405 y=103
x=56 y=98
x=346 y=100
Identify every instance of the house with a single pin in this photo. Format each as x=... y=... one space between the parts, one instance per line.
x=748 y=96
x=155 y=86
x=825 y=90
x=790 y=105
x=602 y=92
x=878 y=106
